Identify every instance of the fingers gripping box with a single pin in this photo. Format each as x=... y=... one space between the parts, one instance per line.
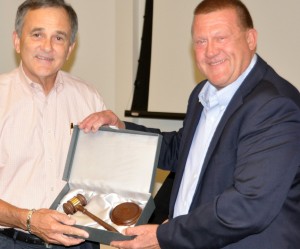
x=108 y=168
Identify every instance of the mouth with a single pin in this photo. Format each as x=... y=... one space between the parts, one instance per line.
x=44 y=58
x=216 y=63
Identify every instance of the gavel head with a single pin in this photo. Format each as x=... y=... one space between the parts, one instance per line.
x=70 y=207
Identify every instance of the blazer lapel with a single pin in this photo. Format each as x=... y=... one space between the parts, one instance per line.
x=190 y=129
x=190 y=125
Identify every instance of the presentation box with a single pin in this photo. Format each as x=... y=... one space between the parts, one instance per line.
x=108 y=168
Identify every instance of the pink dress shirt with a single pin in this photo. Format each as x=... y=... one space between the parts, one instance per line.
x=35 y=135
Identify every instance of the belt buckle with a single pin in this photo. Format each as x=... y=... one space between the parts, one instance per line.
x=47 y=245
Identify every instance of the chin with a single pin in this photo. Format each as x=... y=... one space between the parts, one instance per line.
x=218 y=83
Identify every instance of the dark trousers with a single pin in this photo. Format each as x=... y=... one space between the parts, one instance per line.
x=9 y=243
x=162 y=200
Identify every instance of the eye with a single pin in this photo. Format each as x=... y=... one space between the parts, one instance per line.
x=221 y=39
x=36 y=35
x=200 y=42
x=59 y=38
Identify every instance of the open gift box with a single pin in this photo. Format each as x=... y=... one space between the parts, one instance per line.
x=108 y=168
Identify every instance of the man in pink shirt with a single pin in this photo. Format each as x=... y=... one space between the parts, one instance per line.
x=38 y=103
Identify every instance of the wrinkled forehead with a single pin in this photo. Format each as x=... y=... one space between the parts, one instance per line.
x=224 y=17
x=50 y=18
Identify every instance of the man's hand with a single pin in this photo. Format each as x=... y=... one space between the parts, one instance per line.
x=98 y=119
x=56 y=228
x=145 y=238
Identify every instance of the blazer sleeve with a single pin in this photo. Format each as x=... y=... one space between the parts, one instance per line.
x=169 y=148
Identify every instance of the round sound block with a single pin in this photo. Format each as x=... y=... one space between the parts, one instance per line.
x=125 y=214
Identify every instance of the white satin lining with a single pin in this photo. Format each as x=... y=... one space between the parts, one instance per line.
x=101 y=204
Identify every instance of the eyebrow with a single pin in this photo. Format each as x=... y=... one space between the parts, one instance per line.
x=42 y=29
x=62 y=33
x=36 y=29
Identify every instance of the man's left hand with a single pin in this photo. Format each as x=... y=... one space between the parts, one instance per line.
x=145 y=238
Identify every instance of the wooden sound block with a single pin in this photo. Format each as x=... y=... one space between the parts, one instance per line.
x=125 y=214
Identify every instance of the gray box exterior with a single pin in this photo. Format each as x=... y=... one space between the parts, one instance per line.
x=98 y=235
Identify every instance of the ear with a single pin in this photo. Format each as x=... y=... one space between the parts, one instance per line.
x=71 y=48
x=252 y=39
x=16 y=40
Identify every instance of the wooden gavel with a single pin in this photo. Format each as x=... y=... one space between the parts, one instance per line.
x=76 y=204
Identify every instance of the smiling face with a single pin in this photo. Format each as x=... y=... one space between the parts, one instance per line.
x=44 y=45
x=223 y=49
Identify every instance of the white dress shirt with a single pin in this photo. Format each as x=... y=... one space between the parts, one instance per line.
x=214 y=104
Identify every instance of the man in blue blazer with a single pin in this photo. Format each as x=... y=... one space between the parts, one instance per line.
x=237 y=156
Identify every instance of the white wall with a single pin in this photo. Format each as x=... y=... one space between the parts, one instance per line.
x=278 y=23
x=173 y=70
x=107 y=49
x=94 y=58
x=173 y=74
x=7 y=16
x=109 y=39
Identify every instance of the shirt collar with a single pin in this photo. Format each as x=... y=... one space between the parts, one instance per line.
x=210 y=97
x=58 y=85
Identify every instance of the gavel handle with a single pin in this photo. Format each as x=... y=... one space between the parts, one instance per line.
x=97 y=219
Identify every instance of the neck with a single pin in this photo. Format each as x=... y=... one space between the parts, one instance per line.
x=47 y=85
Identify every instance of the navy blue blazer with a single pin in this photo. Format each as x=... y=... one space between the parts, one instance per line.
x=248 y=194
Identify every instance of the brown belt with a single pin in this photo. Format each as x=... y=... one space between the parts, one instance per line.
x=24 y=237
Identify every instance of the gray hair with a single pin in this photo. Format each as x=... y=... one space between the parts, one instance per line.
x=37 y=4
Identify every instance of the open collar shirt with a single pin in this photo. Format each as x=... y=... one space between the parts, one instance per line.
x=35 y=134
x=214 y=103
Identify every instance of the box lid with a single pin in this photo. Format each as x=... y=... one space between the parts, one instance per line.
x=113 y=159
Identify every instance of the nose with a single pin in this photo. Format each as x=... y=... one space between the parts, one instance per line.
x=211 y=49
x=47 y=45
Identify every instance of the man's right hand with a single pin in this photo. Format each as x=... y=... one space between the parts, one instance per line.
x=94 y=121
x=56 y=228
